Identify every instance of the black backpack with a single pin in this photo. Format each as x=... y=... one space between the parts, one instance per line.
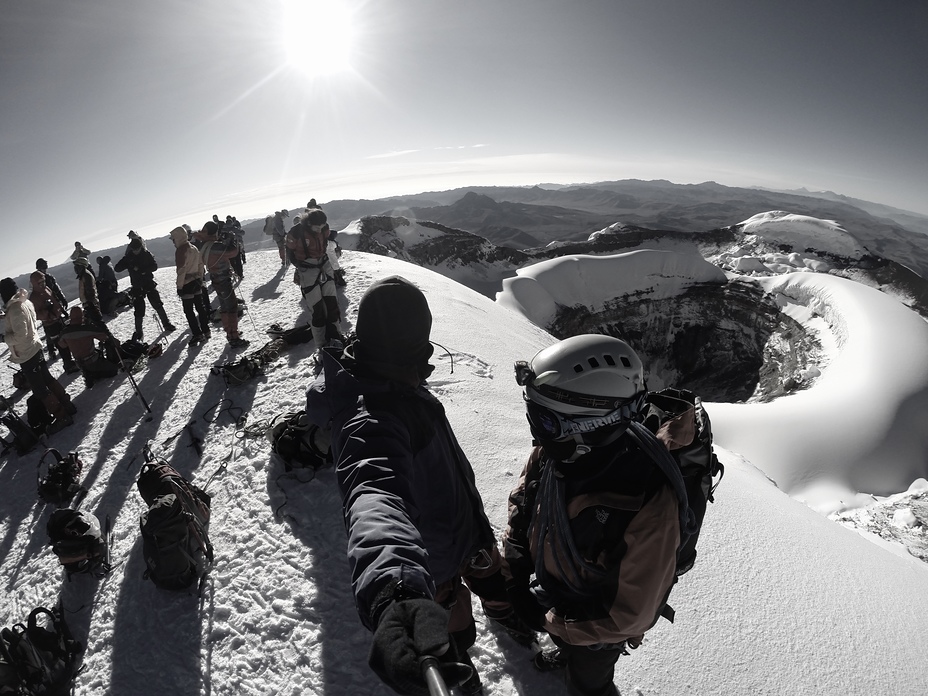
x=37 y=415
x=175 y=540
x=76 y=538
x=61 y=482
x=24 y=438
x=697 y=461
x=37 y=659
x=299 y=443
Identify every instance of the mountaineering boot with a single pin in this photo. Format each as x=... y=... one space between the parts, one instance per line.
x=549 y=660
x=518 y=630
x=471 y=687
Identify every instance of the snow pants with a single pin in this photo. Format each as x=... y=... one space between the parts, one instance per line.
x=590 y=668
x=138 y=305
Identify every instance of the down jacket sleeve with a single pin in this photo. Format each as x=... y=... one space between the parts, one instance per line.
x=375 y=473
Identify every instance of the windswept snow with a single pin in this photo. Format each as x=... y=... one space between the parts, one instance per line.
x=782 y=600
x=803 y=232
x=538 y=290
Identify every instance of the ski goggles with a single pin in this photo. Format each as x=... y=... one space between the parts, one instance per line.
x=549 y=424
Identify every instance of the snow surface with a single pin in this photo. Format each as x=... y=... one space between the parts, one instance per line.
x=782 y=600
x=538 y=290
x=803 y=232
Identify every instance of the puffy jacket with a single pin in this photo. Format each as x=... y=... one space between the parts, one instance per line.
x=19 y=330
x=141 y=265
x=187 y=258
x=411 y=505
x=87 y=290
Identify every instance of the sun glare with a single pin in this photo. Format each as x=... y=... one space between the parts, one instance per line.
x=318 y=36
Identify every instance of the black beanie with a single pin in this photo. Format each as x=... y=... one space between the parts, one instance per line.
x=7 y=289
x=393 y=324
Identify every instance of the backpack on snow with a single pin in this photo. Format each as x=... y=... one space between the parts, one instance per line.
x=61 y=482
x=37 y=415
x=299 y=443
x=175 y=540
x=76 y=538
x=39 y=658
x=24 y=438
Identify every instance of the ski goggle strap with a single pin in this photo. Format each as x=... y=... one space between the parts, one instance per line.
x=552 y=425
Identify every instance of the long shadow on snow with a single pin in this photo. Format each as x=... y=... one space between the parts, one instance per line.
x=147 y=616
x=313 y=511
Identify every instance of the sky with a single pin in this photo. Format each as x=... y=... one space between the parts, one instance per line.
x=122 y=115
x=782 y=600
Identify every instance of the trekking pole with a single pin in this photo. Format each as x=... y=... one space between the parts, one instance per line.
x=432 y=676
x=131 y=378
x=247 y=311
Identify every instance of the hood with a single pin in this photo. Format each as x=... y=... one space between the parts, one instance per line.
x=18 y=298
x=178 y=236
x=77 y=316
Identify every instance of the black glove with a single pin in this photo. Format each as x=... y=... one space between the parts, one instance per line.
x=526 y=606
x=409 y=630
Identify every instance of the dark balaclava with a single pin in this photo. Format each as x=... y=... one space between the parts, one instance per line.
x=7 y=289
x=393 y=327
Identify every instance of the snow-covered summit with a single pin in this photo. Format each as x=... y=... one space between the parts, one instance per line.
x=781 y=601
x=803 y=232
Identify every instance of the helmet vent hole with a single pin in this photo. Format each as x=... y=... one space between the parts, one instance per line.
x=594 y=363
x=578 y=368
x=609 y=360
x=625 y=362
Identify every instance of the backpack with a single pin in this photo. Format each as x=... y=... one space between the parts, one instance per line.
x=299 y=443
x=697 y=461
x=616 y=558
x=37 y=415
x=269 y=225
x=19 y=380
x=76 y=538
x=37 y=659
x=175 y=541
x=61 y=482
x=24 y=437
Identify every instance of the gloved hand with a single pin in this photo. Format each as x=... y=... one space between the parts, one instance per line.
x=408 y=630
x=526 y=605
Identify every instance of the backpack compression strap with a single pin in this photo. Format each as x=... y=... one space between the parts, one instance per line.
x=658 y=453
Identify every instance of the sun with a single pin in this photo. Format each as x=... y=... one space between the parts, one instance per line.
x=318 y=36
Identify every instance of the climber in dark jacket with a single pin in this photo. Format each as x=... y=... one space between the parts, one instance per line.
x=418 y=537
x=141 y=265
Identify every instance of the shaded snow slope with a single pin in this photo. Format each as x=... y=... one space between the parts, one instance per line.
x=781 y=601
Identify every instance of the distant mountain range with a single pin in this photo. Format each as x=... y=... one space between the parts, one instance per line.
x=529 y=219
